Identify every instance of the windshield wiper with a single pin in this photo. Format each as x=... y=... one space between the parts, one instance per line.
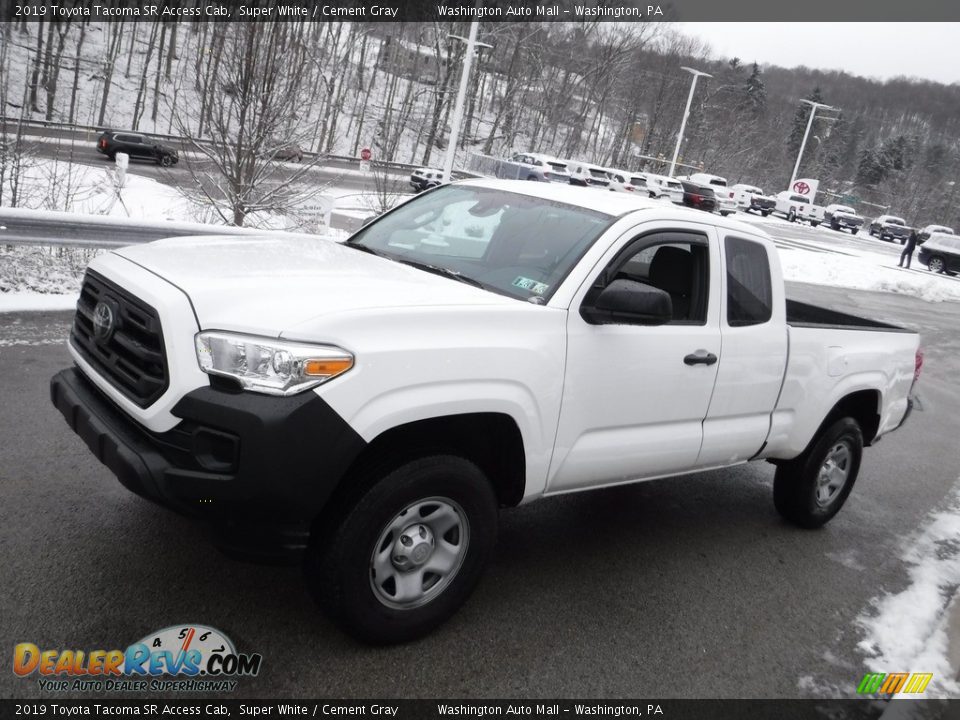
x=443 y=271
x=368 y=249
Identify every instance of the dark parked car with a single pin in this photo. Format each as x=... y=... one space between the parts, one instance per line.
x=136 y=145
x=890 y=227
x=941 y=253
x=701 y=197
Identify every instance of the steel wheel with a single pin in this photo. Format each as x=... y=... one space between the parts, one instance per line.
x=833 y=473
x=419 y=553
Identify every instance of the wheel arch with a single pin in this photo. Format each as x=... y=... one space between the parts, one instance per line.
x=864 y=406
x=491 y=440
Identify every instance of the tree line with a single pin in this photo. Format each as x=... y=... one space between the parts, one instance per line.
x=610 y=93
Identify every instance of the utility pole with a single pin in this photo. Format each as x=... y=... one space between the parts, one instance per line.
x=814 y=106
x=457 y=119
x=686 y=113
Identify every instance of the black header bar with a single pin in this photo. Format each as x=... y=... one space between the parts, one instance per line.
x=853 y=11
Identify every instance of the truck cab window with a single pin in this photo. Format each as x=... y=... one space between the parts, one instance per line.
x=678 y=268
x=749 y=292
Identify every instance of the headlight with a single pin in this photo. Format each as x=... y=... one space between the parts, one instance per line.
x=264 y=365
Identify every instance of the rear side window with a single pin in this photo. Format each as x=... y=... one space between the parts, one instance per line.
x=749 y=292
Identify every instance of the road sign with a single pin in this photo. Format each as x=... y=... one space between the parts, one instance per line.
x=365 y=154
x=364 y=166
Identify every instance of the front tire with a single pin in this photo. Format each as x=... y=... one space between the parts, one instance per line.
x=809 y=490
x=407 y=553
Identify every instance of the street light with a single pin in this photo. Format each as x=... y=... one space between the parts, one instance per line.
x=472 y=44
x=686 y=113
x=814 y=106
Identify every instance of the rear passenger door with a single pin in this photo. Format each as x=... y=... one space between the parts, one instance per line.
x=754 y=341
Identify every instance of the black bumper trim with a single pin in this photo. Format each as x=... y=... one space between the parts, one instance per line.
x=282 y=459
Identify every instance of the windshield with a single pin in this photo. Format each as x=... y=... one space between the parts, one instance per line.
x=509 y=243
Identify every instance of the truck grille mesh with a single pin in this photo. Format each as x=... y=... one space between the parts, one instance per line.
x=131 y=356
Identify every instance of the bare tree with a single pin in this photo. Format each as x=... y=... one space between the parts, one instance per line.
x=259 y=90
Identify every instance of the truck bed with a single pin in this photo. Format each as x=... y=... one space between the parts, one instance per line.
x=800 y=314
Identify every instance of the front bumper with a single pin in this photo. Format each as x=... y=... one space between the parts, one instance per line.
x=258 y=468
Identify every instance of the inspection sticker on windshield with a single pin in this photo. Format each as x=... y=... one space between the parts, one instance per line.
x=537 y=288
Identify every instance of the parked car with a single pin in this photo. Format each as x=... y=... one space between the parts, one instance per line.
x=814 y=214
x=136 y=145
x=792 y=206
x=701 y=197
x=941 y=253
x=621 y=181
x=928 y=230
x=586 y=175
x=661 y=186
x=532 y=166
x=750 y=198
x=890 y=227
x=726 y=205
x=425 y=178
x=347 y=403
x=842 y=217
x=707 y=179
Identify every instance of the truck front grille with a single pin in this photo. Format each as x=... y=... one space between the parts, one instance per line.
x=120 y=336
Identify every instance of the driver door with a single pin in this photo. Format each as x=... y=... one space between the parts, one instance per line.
x=635 y=396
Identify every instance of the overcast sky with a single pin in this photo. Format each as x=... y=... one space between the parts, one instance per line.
x=879 y=50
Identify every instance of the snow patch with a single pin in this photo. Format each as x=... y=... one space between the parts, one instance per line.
x=907 y=631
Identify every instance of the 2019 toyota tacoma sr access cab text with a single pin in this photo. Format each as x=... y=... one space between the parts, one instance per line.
x=368 y=406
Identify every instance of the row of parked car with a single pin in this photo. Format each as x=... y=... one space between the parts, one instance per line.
x=712 y=193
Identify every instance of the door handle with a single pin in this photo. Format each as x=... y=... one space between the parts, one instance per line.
x=700 y=357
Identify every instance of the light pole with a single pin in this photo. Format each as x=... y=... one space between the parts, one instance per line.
x=814 y=106
x=457 y=119
x=686 y=113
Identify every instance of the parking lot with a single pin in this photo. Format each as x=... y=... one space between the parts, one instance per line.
x=691 y=587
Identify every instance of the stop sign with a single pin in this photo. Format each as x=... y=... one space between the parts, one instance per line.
x=365 y=154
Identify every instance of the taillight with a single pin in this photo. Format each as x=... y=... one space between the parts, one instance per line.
x=546 y=175
x=628 y=188
x=696 y=199
x=103 y=142
x=917 y=364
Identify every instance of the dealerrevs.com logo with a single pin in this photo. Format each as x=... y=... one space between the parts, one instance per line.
x=177 y=658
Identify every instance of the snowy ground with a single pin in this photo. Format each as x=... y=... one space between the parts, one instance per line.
x=909 y=629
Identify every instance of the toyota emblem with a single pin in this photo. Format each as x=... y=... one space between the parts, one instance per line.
x=103 y=322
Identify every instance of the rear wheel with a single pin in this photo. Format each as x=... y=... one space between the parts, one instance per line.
x=809 y=490
x=165 y=160
x=764 y=213
x=791 y=216
x=405 y=555
x=936 y=264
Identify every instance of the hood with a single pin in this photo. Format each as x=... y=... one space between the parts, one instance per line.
x=264 y=285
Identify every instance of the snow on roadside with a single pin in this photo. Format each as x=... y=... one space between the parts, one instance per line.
x=907 y=631
x=41 y=278
x=865 y=271
x=28 y=301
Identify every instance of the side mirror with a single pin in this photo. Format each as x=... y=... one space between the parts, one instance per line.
x=627 y=302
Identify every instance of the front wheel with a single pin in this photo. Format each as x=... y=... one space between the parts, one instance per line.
x=809 y=490
x=764 y=213
x=406 y=555
x=165 y=161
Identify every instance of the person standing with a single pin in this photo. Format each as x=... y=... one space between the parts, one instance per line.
x=908 y=249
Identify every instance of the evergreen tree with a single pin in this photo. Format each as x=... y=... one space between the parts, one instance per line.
x=755 y=101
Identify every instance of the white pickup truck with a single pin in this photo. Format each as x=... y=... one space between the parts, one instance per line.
x=368 y=406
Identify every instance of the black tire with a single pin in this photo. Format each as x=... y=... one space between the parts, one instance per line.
x=339 y=563
x=533 y=177
x=814 y=223
x=791 y=216
x=111 y=156
x=937 y=264
x=834 y=225
x=764 y=213
x=797 y=484
x=165 y=161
